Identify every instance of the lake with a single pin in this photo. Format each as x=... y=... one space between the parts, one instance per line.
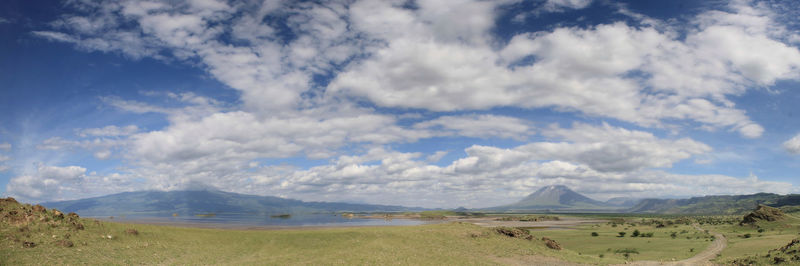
x=224 y=220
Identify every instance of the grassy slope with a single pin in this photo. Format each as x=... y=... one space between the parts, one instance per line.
x=430 y=244
x=454 y=243
x=775 y=235
x=659 y=247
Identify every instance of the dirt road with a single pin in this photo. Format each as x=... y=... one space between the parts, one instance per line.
x=702 y=258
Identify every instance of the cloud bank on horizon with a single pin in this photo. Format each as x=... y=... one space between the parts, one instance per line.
x=423 y=103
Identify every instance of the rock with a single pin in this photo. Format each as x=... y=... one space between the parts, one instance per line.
x=28 y=244
x=789 y=246
x=77 y=226
x=132 y=232
x=514 y=232
x=552 y=244
x=8 y=200
x=39 y=208
x=65 y=243
x=58 y=214
x=763 y=213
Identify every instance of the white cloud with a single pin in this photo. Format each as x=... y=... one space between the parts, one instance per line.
x=439 y=57
x=479 y=126
x=583 y=69
x=561 y=5
x=109 y=131
x=5 y=146
x=426 y=59
x=793 y=145
x=435 y=157
x=48 y=182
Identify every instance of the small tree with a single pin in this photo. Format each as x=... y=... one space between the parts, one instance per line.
x=595 y=234
x=635 y=233
x=622 y=234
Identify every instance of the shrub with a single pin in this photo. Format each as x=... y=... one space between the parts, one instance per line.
x=635 y=233
x=673 y=235
x=627 y=251
x=595 y=234
x=622 y=234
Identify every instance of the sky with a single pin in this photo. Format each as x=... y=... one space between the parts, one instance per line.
x=427 y=103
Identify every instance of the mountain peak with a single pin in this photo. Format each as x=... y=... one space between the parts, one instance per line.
x=556 y=197
x=555 y=187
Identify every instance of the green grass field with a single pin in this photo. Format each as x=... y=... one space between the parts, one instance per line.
x=607 y=243
x=746 y=241
x=452 y=243
x=96 y=242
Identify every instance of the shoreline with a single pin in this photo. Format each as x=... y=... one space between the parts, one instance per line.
x=246 y=226
x=566 y=223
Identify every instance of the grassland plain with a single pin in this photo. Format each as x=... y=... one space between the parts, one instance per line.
x=39 y=237
x=608 y=243
x=44 y=237
x=755 y=241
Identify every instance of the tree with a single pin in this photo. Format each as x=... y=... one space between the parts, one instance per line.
x=635 y=233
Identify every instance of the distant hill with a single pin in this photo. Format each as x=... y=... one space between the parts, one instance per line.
x=204 y=201
x=736 y=204
x=555 y=198
x=623 y=201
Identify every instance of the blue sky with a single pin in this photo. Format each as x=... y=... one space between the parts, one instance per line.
x=423 y=103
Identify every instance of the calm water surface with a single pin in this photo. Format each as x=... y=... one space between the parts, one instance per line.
x=262 y=220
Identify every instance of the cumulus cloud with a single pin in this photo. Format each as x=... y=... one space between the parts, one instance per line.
x=487 y=176
x=793 y=145
x=560 y=5
x=48 y=182
x=3 y=159
x=109 y=131
x=479 y=126
x=437 y=59
x=427 y=59
x=584 y=69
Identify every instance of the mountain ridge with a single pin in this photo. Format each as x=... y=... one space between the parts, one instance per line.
x=205 y=201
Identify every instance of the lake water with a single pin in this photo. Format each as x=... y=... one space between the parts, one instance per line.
x=267 y=221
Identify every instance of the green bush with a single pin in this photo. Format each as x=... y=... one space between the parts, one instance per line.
x=595 y=234
x=622 y=234
x=635 y=233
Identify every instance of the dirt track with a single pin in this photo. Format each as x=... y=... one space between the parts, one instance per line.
x=702 y=258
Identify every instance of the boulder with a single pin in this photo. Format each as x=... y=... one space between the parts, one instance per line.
x=39 y=208
x=514 y=232
x=763 y=213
